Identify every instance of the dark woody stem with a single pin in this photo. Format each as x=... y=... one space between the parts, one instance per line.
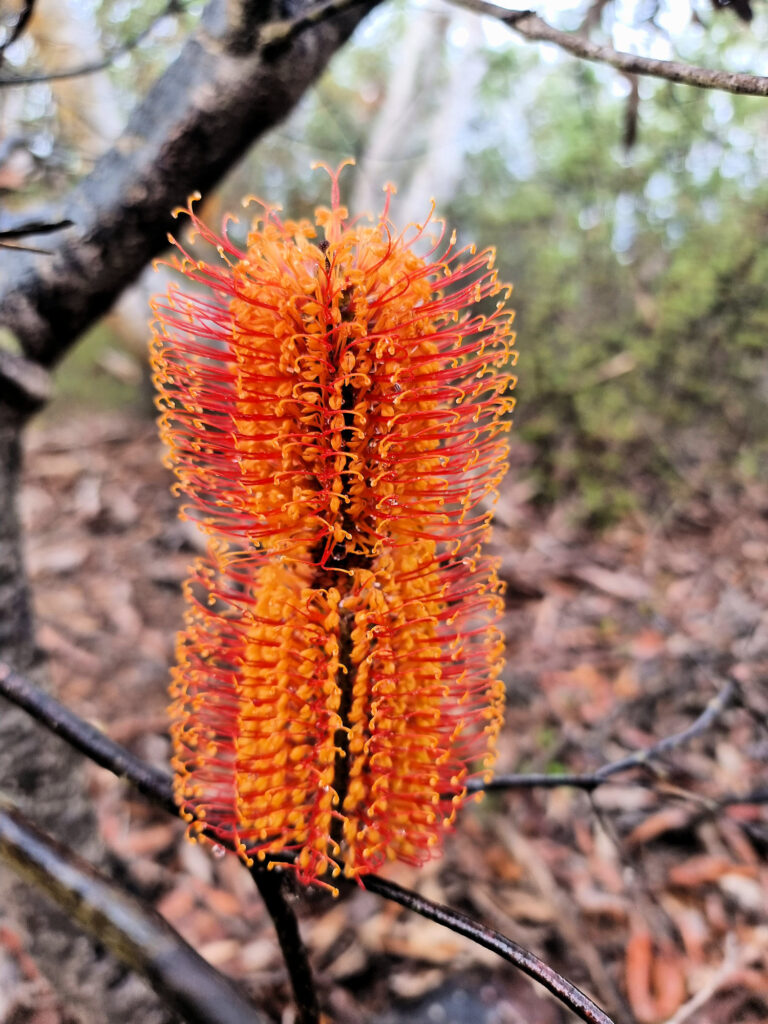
x=156 y=786
x=644 y=758
x=271 y=886
x=346 y=682
x=522 y=958
x=339 y=574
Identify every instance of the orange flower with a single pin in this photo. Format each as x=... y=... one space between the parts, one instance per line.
x=334 y=413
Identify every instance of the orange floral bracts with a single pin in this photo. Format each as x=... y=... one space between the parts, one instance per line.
x=334 y=414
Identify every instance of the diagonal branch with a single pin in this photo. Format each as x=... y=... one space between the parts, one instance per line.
x=136 y=934
x=530 y=26
x=156 y=786
x=640 y=758
x=522 y=958
x=86 y=738
x=196 y=121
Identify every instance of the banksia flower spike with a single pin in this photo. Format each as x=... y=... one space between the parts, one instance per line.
x=334 y=414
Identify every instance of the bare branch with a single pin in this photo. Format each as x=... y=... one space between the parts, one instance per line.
x=639 y=759
x=150 y=782
x=704 y=721
x=530 y=26
x=156 y=786
x=460 y=923
x=136 y=934
x=172 y=7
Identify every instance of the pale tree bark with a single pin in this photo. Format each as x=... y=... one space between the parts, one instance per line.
x=439 y=171
x=408 y=90
x=429 y=100
x=219 y=95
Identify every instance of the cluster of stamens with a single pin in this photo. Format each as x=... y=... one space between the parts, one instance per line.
x=335 y=418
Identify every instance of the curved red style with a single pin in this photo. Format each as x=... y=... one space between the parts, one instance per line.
x=335 y=417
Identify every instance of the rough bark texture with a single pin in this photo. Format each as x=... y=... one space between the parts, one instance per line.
x=132 y=931
x=15 y=618
x=199 y=117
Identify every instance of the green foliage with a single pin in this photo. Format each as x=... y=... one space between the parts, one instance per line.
x=640 y=287
x=83 y=378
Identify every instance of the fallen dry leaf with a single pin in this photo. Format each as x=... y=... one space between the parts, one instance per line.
x=638 y=960
x=704 y=868
x=668 y=819
x=668 y=979
x=624 y=585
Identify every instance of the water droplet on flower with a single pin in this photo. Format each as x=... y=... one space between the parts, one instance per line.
x=218 y=851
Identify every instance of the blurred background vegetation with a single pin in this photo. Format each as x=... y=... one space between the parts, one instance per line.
x=631 y=216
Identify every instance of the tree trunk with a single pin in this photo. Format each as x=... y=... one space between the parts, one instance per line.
x=44 y=776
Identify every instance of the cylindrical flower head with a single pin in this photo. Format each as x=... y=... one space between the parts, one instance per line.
x=334 y=412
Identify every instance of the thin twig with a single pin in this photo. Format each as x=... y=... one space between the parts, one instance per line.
x=9 y=237
x=529 y=964
x=700 y=725
x=136 y=934
x=156 y=786
x=530 y=26
x=639 y=759
x=91 y=67
x=33 y=227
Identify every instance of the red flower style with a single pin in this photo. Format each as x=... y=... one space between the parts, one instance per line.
x=334 y=413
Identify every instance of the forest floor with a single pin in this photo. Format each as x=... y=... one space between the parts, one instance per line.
x=650 y=893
